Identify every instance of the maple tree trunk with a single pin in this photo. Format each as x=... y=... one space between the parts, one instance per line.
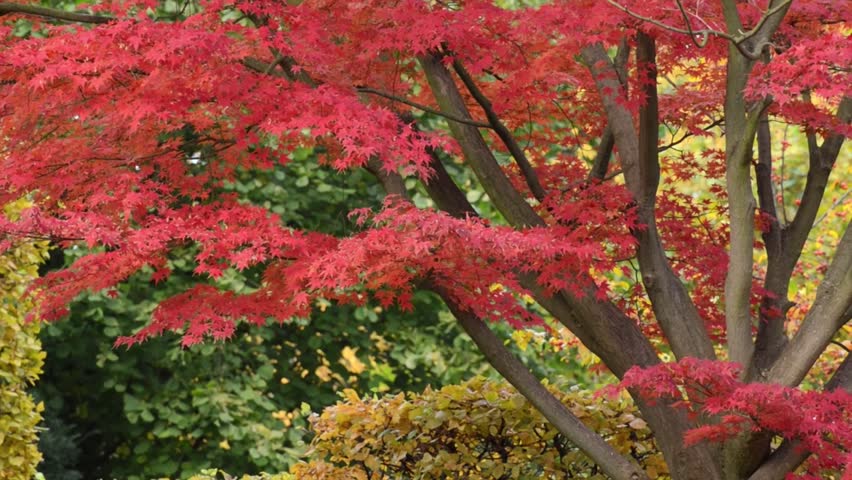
x=601 y=327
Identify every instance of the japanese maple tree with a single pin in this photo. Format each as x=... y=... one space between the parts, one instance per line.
x=124 y=123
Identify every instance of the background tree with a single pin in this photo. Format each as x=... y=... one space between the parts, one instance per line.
x=91 y=116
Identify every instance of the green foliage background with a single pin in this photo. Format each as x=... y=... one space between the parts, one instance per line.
x=160 y=410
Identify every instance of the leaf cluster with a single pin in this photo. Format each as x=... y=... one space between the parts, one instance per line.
x=478 y=429
x=21 y=360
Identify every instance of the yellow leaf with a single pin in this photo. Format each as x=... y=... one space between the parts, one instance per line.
x=323 y=373
x=350 y=361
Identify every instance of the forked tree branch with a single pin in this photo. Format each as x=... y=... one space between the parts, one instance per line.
x=770 y=337
x=600 y=165
x=821 y=161
x=479 y=156
x=607 y=332
x=741 y=129
x=739 y=40
x=611 y=462
x=741 y=124
x=513 y=370
x=825 y=317
x=785 y=249
x=673 y=308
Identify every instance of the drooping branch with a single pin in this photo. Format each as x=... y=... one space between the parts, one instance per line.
x=52 y=13
x=673 y=308
x=825 y=317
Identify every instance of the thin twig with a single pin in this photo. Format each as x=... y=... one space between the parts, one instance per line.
x=844 y=347
x=736 y=40
x=703 y=33
x=781 y=181
x=700 y=44
x=418 y=106
x=832 y=207
x=686 y=135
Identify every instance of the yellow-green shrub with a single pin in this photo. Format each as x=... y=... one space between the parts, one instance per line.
x=21 y=360
x=216 y=474
x=479 y=429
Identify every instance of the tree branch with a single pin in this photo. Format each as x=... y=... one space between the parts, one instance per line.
x=821 y=161
x=477 y=153
x=674 y=143
x=827 y=315
x=606 y=331
x=611 y=462
x=601 y=162
x=604 y=152
x=785 y=247
x=736 y=41
x=52 y=13
x=449 y=116
x=673 y=308
x=617 y=466
x=505 y=135
x=789 y=455
x=773 y=308
x=392 y=182
x=740 y=128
